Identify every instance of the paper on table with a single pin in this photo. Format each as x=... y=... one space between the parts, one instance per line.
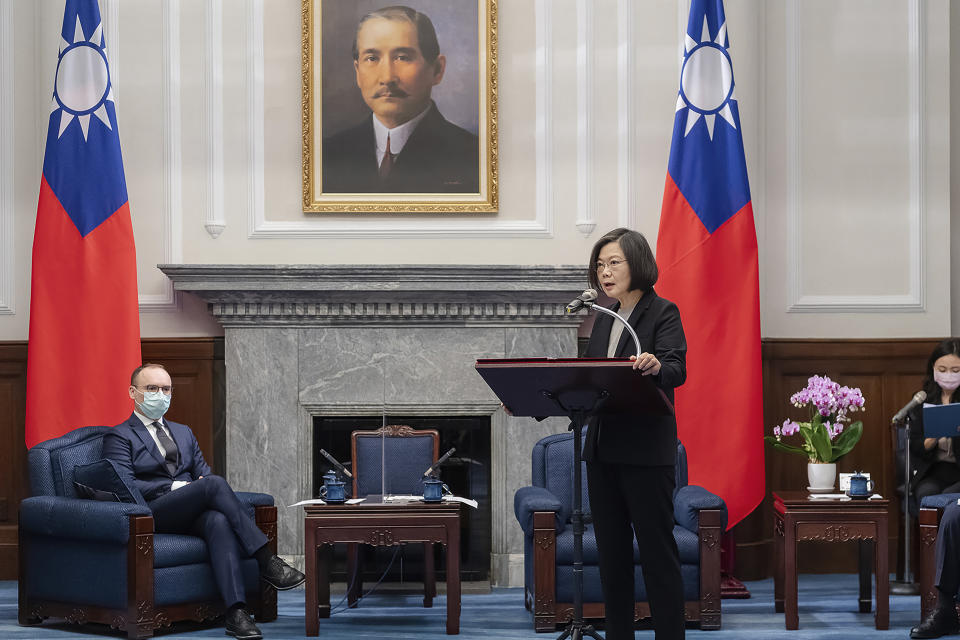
x=467 y=501
x=839 y=496
x=306 y=502
x=355 y=500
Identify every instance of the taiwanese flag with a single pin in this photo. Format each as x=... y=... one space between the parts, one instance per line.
x=707 y=254
x=84 y=319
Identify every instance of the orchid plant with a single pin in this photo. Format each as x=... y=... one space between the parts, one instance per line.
x=826 y=436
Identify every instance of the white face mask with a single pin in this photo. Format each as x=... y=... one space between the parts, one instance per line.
x=154 y=404
x=947 y=380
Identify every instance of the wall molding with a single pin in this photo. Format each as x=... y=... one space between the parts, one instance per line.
x=7 y=253
x=541 y=226
x=110 y=19
x=214 y=221
x=914 y=300
x=255 y=110
x=626 y=109
x=586 y=220
x=171 y=236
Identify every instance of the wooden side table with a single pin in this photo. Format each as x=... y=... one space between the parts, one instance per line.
x=377 y=523
x=797 y=516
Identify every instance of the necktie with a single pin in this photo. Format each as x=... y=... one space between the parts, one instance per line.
x=169 y=446
x=387 y=163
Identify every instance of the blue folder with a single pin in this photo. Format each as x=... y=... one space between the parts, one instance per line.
x=941 y=420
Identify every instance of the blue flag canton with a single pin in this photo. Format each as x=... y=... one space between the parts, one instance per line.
x=707 y=160
x=82 y=160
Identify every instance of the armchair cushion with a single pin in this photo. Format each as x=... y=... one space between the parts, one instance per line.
x=688 y=502
x=529 y=499
x=76 y=519
x=939 y=500
x=101 y=481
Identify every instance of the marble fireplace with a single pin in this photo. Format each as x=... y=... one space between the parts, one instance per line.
x=309 y=341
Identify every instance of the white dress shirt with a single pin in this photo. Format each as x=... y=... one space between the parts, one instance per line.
x=398 y=135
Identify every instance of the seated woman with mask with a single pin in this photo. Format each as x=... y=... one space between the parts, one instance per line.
x=936 y=461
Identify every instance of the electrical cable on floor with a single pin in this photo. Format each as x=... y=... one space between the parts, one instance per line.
x=334 y=609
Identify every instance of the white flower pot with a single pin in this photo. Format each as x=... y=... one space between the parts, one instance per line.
x=821 y=475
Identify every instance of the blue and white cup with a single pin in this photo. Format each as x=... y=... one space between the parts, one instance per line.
x=333 y=491
x=860 y=485
x=433 y=490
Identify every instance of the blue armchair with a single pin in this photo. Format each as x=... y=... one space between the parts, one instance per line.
x=98 y=561
x=543 y=511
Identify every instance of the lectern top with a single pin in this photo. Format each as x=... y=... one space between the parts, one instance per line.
x=541 y=387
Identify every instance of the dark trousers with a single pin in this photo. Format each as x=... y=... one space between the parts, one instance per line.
x=628 y=501
x=948 y=551
x=210 y=509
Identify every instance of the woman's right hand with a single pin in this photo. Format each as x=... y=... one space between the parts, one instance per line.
x=929 y=443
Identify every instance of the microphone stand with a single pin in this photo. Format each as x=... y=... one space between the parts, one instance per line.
x=614 y=314
x=907 y=587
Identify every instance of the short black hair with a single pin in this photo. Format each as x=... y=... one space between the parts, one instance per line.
x=426 y=34
x=948 y=347
x=636 y=250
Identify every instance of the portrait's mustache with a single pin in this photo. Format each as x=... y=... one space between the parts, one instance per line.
x=390 y=91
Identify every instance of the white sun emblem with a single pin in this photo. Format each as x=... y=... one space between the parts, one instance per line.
x=706 y=82
x=83 y=83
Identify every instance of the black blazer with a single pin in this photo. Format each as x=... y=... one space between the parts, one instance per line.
x=439 y=157
x=642 y=439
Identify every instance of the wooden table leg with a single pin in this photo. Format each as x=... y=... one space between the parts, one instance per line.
x=354 y=575
x=310 y=613
x=429 y=575
x=791 y=616
x=777 y=563
x=865 y=549
x=883 y=577
x=453 y=576
x=324 y=557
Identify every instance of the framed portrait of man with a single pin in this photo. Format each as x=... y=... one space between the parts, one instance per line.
x=399 y=106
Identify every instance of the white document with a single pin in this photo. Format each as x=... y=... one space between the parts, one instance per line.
x=466 y=501
x=307 y=502
x=355 y=500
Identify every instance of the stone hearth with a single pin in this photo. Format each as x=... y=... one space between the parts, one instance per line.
x=305 y=341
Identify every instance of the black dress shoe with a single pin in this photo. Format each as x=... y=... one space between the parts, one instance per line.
x=942 y=622
x=240 y=625
x=280 y=575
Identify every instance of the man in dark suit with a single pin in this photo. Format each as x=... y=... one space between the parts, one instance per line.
x=163 y=461
x=406 y=146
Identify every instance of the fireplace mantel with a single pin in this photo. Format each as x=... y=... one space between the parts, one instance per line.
x=357 y=340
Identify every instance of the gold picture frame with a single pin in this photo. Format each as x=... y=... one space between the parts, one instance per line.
x=332 y=95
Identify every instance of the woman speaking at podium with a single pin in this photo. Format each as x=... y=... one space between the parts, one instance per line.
x=631 y=459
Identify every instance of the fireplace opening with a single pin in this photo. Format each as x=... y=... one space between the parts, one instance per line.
x=467 y=473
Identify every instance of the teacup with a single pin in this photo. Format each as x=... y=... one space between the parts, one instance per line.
x=860 y=485
x=433 y=490
x=333 y=491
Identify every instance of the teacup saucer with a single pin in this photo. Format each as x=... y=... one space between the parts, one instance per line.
x=821 y=490
x=858 y=496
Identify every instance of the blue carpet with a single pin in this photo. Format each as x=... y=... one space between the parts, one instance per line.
x=828 y=609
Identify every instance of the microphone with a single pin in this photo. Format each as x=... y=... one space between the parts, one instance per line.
x=585 y=299
x=443 y=458
x=336 y=464
x=917 y=400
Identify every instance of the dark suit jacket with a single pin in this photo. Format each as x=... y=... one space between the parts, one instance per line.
x=642 y=439
x=439 y=157
x=132 y=448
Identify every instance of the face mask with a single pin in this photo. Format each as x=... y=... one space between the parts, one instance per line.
x=947 y=380
x=154 y=404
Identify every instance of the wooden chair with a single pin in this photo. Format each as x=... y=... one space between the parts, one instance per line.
x=407 y=453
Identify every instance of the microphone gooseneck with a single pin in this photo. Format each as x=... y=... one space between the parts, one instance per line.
x=339 y=467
